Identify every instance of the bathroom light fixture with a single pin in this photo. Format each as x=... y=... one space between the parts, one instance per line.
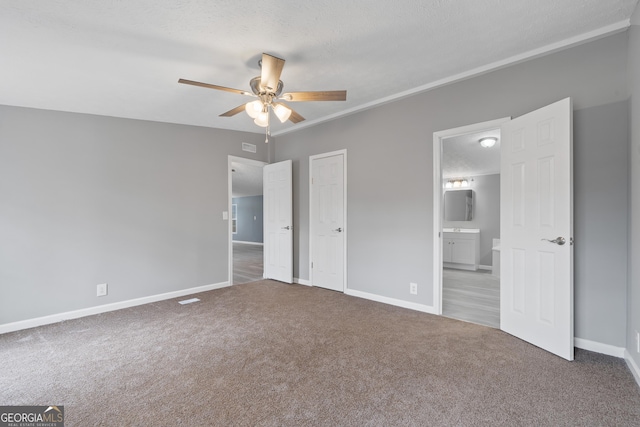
x=488 y=142
x=457 y=183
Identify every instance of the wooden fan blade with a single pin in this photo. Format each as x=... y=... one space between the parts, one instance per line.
x=210 y=86
x=271 y=70
x=323 y=95
x=295 y=117
x=233 y=112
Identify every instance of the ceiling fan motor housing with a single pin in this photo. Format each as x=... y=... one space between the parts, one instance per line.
x=258 y=89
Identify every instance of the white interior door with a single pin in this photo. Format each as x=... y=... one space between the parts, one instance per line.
x=328 y=221
x=536 y=228
x=278 y=222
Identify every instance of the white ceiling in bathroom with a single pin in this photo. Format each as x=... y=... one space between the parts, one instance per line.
x=463 y=156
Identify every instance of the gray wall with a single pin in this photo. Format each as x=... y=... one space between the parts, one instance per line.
x=486 y=214
x=249 y=219
x=600 y=220
x=633 y=317
x=87 y=199
x=390 y=174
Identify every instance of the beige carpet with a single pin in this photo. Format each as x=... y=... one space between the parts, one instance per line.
x=271 y=354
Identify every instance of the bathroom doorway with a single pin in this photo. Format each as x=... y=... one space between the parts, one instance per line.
x=467 y=220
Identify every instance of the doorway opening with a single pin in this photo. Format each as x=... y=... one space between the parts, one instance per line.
x=246 y=235
x=536 y=205
x=467 y=220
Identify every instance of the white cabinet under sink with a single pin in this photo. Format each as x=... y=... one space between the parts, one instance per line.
x=461 y=249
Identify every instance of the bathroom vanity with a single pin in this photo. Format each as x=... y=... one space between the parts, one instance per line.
x=461 y=248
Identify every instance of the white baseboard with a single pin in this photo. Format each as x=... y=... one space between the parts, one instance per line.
x=632 y=366
x=242 y=242
x=485 y=267
x=392 y=301
x=301 y=281
x=598 y=347
x=59 y=317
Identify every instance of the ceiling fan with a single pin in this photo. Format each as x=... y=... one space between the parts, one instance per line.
x=267 y=87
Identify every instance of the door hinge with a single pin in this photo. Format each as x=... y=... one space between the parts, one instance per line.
x=311 y=264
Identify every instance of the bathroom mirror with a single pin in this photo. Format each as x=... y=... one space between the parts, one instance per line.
x=458 y=205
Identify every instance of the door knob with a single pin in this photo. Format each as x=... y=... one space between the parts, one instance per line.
x=558 y=241
x=339 y=229
x=288 y=227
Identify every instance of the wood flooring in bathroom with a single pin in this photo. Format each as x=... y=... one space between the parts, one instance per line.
x=473 y=296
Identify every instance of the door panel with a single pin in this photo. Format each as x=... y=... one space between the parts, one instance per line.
x=278 y=222
x=536 y=300
x=327 y=222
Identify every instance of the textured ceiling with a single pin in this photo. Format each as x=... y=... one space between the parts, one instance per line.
x=246 y=180
x=463 y=156
x=123 y=59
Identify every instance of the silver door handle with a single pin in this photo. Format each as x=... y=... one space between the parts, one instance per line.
x=288 y=227
x=558 y=241
x=339 y=229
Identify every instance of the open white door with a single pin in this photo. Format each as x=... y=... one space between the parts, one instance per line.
x=536 y=228
x=328 y=222
x=278 y=222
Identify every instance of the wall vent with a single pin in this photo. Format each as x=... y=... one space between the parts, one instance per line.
x=248 y=147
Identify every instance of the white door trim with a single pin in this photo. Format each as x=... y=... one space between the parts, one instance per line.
x=437 y=197
x=230 y=160
x=346 y=228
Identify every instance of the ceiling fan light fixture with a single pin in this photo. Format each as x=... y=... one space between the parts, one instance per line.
x=262 y=119
x=267 y=87
x=282 y=111
x=488 y=142
x=253 y=108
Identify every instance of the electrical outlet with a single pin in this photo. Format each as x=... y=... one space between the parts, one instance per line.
x=413 y=288
x=101 y=289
